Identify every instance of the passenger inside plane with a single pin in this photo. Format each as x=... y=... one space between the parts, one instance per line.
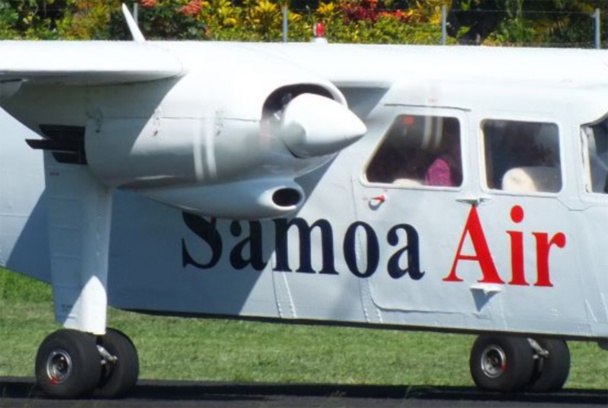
x=446 y=169
x=419 y=151
x=522 y=157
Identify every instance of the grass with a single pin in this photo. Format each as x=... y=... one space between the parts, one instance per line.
x=242 y=351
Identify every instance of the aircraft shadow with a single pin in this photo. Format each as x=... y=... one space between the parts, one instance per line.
x=153 y=390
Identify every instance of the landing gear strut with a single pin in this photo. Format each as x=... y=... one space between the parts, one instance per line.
x=74 y=364
x=119 y=375
x=511 y=364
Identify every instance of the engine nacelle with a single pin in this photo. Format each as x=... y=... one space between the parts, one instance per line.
x=224 y=140
x=236 y=119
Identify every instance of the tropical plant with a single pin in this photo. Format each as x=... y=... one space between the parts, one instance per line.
x=525 y=22
x=495 y=22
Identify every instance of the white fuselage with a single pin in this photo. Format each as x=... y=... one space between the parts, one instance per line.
x=359 y=249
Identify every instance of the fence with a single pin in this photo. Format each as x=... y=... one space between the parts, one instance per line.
x=588 y=37
x=594 y=19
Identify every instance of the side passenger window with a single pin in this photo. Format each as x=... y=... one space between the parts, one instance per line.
x=522 y=157
x=419 y=151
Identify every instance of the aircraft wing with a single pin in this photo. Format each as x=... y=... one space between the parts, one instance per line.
x=85 y=63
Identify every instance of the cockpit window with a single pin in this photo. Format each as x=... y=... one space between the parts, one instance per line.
x=419 y=151
x=522 y=157
x=595 y=140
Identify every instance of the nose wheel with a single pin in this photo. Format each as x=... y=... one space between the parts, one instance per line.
x=73 y=364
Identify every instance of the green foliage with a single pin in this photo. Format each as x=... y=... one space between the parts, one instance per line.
x=55 y=19
x=86 y=20
x=8 y=20
x=513 y=32
x=564 y=23
x=369 y=21
x=494 y=22
x=171 y=21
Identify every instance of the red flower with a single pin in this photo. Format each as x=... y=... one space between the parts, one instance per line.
x=148 y=3
x=192 y=8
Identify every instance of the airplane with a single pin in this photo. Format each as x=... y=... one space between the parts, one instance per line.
x=443 y=188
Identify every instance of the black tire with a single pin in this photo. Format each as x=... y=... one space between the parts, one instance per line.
x=68 y=364
x=121 y=376
x=551 y=372
x=501 y=363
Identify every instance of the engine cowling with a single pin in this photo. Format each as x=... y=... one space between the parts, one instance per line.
x=218 y=142
x=246 y=199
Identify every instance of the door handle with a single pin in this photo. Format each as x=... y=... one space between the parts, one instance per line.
x=473 y=200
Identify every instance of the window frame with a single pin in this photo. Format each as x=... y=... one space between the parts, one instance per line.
x=454 y=114
x=586 y=161
x=483 y=157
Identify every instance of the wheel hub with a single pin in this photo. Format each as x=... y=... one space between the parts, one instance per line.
x=493 y=361
x=59 y=366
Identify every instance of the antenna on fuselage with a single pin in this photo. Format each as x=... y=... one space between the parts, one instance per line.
x=133 y=28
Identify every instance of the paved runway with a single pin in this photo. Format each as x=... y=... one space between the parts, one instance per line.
x=21 y=393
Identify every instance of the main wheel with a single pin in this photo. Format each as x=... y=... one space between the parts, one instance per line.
x=501 y=363
x=119 y=376
x=551 y=371
x=68 y=364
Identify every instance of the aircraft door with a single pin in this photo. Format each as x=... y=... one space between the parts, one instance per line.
x=409 y=202
x=529 y=240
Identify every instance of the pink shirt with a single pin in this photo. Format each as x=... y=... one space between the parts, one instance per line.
x=439 y=173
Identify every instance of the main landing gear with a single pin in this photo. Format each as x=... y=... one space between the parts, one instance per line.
x=511 y=364
x=74 y=364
